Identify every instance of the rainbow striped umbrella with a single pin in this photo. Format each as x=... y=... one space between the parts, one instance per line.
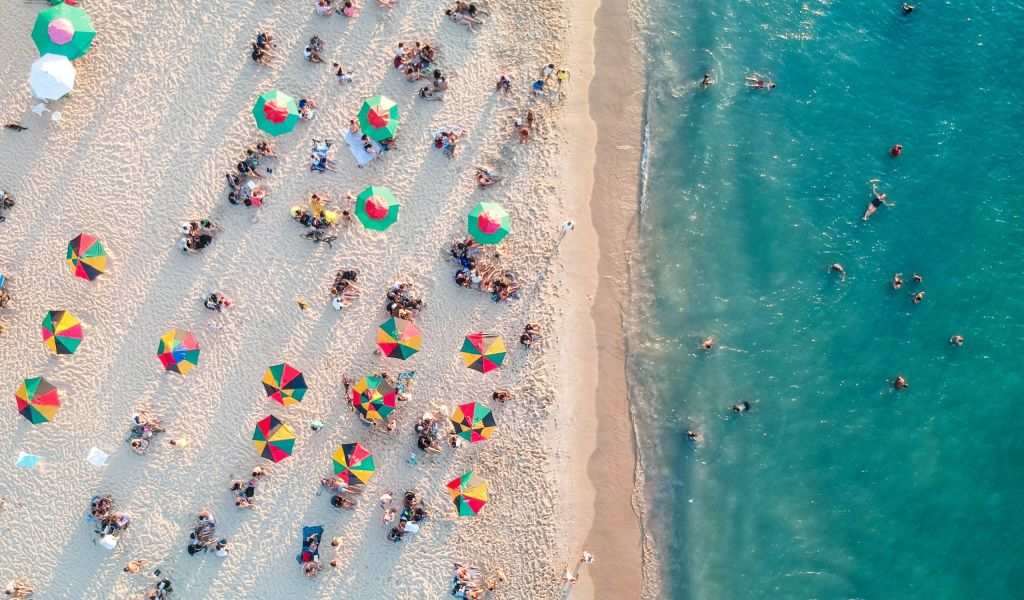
x=373 y=397
x=488 y=222
x=37 y=400
x=469 y=493
x=473 y=422
x=178 y=351
x=62 y=332
x=276 y=112
x=86 y=257
x=64 y=30
x=399 y=338
x=284 y=384
x=378 y=118
x=353 y=463
x=273 y=439
x=483 y=352
x=377 y=208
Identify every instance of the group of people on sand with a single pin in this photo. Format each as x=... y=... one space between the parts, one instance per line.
x=468 y=582
x=542 y=84
x=142 y=429
x=345 y=8
x=412 y=517
x=481 y=272
x=403 y=301
x=319 y=219
x=343 y=290
x=343 y=493
x=447 y=140
x=466 y=14
x=245 y=489
x=432 y=431
x=6 y=202
x=202 y=537
x=110 y=523
x=243 y=184
x=262 y=49
x=197 y=235
x=416 y=60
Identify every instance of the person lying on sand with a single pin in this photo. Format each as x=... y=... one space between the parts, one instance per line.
x=464 y=19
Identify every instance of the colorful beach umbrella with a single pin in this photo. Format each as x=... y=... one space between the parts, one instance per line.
x=488 y=223
x=276 y=112
x=178 y=351
x=399 y=338
x=473 y=422
x=62 y=332
x=377 y=208
x=37 y=400
x=483 y=352
x=64 y=30
x=273 y=439
x=285 y=384
x=373 y=397
x=378 y=118
x=469 y=493
x=86 y=257
x=353 y=464
x=52 y=77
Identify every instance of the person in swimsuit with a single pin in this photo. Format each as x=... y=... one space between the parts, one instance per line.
x=838 y=268
x=877 y=200
x=754 y=81
x=899 y=383
x=708 y=343
x=897 y=281
x=707 y=81
x=957 y=340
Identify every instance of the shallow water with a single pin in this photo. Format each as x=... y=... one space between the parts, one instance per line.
x=833 y=485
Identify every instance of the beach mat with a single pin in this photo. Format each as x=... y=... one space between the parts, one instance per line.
x=355 y=145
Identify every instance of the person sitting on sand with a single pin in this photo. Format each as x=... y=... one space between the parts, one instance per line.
x=531 y=335
x=756 y=82
x=471 y=23
x=504 y=84
x=312 y=51
x=469 y=9
x=265 y=149
x=261 y=54
x=340 y=73
x=877 y=200
x=307 y=109
x=485 y=178
x=428 y=94
x=311 y=569
x=348 y=9
x=16 y=589
x=324 y=8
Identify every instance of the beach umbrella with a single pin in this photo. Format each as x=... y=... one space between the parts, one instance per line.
x=178 y=351
x=483 y=352
x=273 y=439
x=285 y=384
x=37 y=400
x=276 y=112
x=377 y=208
x=353 y=464
x=64 y=30
x=373 y=397
x=52 y=77
x=473 y=422
x=468 y=492
x=378 y=118
x=62 y=332
x=488 y=223
x=399 y=338
x=86 y=257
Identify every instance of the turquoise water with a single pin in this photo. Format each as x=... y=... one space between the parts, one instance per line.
x=833 y=485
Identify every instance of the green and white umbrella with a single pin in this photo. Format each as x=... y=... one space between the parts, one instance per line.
x=276 y=112
x=64 y=30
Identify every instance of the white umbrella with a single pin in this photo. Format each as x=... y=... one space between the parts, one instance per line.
x=52 y=77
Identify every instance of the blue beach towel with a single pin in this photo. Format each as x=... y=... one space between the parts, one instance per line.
x=305 y=555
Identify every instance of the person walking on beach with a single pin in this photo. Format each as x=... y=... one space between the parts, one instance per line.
x=566 y=228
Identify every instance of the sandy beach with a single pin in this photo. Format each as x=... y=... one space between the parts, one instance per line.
x=162 y=108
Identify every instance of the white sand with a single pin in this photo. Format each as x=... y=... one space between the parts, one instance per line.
x=161 y=111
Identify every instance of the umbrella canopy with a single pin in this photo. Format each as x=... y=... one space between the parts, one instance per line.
x=37 y=400
x=64 y=30
x=378 y=118
x=285 y=384
x=353 y=464
x=377 y=208
x=469 y=493
x=399 y=338
x=483 y=352
x=473 y=422
x=178 y=351
x=374 y=397
x=276 y=112
x=52 y=77
x=273 y=439
x=62 y=332
x=488 y=223
x=86 y=257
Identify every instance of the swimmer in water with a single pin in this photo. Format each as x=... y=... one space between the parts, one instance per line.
x=918 y=297
x=895 y=150
x=838 y=268
x=897 y=281
x=957 y=340
x=707 y=81
x=917 y=278
x=877 y=199
x=708 y=343
x=908 y=8
x=742 y=407
x=753 y=81
x=695 y=436
x=899 y=383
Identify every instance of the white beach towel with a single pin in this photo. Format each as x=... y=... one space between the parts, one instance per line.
x=355 y=145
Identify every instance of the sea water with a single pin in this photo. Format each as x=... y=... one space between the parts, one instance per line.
x=833 y=485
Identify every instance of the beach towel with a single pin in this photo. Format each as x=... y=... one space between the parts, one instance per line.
x=355 y=145
x=305 y=555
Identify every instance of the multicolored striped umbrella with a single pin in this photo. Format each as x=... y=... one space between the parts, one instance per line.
x=273 y=439
x=64 y=30
x=377 y=208
x=469 y=493
x=62 y=332
x=86 y=257
x=378 y=118
x=37 y=400
x=488 y=222
x=483 y=352
x=353 y=463
x=284 y=384
x=373 y=397
x=399 y=338
x=276 y=112
x=473 y=422
x=178 y=351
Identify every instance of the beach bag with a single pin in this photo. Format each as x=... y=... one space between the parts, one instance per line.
x=108 y=541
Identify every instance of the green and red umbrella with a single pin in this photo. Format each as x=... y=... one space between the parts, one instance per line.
x=469 y=493
x=483 y=352
x=373 y=397
x=399 y=338
x=488 y=223
x=353 y=464
x=376 y=208
x=276 y=112
x=473 y=422
x=178 y=351
x=86 y=257
x=37 y=400
x=378 y=118
x=61 y=331
x=64 y=30
x=273 y=439
x=285 y=384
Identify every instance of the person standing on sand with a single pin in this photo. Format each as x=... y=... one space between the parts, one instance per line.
x=566 y=228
